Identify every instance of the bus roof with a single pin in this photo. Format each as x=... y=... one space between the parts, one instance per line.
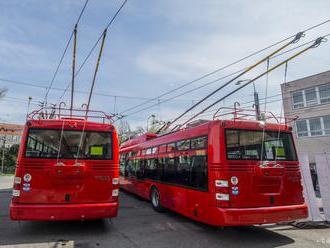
x=69 y=123
x=200 y=130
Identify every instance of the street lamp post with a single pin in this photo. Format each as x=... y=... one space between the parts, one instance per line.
x=256 y=97
x=151 y=116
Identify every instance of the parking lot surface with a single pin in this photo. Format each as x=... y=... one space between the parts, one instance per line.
x=139 y=226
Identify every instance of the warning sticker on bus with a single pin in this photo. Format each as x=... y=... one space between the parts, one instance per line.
x=280 y=152
x=96 y=150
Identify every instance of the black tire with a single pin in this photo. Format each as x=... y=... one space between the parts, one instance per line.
x=155 y=200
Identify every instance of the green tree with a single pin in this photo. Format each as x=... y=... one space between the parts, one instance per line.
x=10 y=158
x=3 y=92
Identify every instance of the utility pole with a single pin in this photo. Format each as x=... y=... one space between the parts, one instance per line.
x=3 y=154
x=153 y=121
x=256 y=98
x=256 y=102
x=73 y=65
x=28 y=106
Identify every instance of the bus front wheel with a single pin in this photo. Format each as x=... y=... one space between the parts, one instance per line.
x=155 y=200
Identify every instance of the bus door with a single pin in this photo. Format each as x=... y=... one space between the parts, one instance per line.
x=67 y=166
x=259 y=168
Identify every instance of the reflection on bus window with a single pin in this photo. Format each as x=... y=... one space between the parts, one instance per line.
x=171 y=147
x=199 y=142
x=183 y=145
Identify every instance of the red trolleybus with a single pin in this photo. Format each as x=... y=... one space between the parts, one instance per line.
x=67 y=169
x=221 y=172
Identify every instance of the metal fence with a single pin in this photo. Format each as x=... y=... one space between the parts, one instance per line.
x=318 y=204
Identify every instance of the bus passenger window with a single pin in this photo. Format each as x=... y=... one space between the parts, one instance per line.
x=171 y=147
x=183 y=170
x=154 y=150
x=131 y=170
x=160 y=168
x=199 y=172
x=162 y=149
x=183 y=145
x=170 y=170
x=123 y=159
x=149 y=151
x=199 y=142
x=139 y=165
x=148 y=169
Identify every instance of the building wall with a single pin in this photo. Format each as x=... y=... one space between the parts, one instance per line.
x=314 y=143
x=12 y=134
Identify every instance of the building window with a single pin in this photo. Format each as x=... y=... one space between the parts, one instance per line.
x=326 y=122
x=311 y=96
x=318 y=126
x=302 y=129
x=315 y=126
x=298 y=99
x=324 y=93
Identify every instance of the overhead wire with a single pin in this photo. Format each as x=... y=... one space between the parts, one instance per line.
x=94 y=46
x=36 y=85
x=317 y=42
x=216 y=80
x=64 y=52
x=225 y=67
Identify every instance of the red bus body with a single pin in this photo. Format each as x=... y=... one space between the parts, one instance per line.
x=231 y=192
x=55 y=188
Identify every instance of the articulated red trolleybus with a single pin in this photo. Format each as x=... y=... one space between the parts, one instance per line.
x=220 y=172
x=67 y=168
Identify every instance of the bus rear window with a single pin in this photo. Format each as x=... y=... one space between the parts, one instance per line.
x=69 y=144
x=259 y=145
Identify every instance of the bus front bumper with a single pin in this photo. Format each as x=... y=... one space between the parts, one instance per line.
x=63 y=211
x=261 y=215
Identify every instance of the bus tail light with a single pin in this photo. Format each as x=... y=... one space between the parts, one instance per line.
x=115 y=181
x=222 y=197
x=115 y=192
x=221 y=183
x=17 y=180
x=222 y=193
x=16 y=192
x=17 y=188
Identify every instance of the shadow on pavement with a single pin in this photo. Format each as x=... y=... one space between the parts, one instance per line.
x=136 y=226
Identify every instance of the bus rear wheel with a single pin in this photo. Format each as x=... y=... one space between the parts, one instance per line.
x=155 y=200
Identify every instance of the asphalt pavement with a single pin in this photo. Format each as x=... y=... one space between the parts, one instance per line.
x=139 y=226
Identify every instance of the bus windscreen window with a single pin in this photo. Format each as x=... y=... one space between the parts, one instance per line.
x=69 y=144
x=259 y=145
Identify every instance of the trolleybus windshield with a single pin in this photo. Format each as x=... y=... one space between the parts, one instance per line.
x=259 y=145
x=68 y=144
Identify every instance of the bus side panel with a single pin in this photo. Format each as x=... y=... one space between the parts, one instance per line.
x=142 y=188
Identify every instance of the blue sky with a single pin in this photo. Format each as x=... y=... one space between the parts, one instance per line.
x=153 y=46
